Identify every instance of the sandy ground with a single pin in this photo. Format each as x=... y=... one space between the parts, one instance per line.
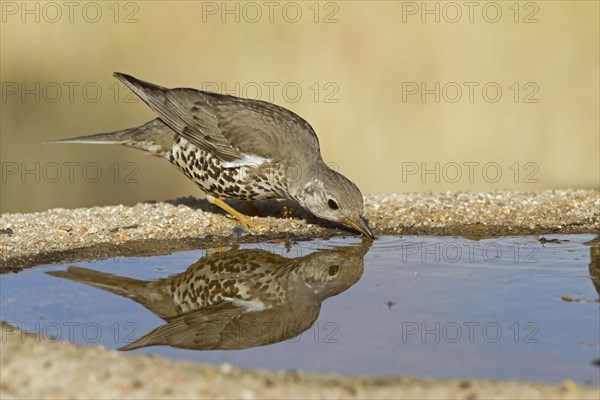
x=35 y=367
x=150 y=228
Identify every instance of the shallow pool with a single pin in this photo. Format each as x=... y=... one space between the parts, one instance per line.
x=511 y=307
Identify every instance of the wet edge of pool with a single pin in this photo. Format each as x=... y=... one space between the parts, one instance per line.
x=154 y=247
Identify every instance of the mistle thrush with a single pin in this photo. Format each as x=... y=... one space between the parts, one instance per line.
x=235 y=148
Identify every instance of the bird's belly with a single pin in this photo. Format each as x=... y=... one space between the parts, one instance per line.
x=208 y=172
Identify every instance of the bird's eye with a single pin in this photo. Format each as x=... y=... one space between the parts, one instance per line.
x=332 y=204
x=333 y=270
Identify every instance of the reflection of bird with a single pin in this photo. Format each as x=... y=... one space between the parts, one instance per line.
x=235 y=299
x=595 y=262
x=235 y=148
x=595 y=272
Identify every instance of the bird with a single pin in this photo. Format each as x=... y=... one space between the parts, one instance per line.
x=236 y=298
x=237 y=148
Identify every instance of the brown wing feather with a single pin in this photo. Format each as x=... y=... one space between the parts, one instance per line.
x=200 y=328
x=227 y=126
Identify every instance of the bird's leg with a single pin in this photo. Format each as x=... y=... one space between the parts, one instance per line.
x=287 y=211
x=231 y=211
x=244 y=220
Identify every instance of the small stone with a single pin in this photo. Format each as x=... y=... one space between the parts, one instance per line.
x=65 y=228
x=226 y=368
x=569 y=386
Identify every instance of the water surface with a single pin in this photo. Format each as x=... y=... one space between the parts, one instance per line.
x=513 y=307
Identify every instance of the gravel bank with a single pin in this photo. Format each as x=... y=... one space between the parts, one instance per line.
x=34 y=368
x=150 y=228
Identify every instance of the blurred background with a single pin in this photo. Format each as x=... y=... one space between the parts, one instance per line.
x=404 y=96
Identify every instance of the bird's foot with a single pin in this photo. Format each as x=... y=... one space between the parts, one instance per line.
x=252 y=223
x=244 y=220
x=214 y=250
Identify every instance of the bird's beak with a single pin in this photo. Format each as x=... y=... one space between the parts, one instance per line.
x=360 y=225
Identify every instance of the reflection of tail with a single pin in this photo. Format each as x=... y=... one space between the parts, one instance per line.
x=148 y=294
x=154 y=137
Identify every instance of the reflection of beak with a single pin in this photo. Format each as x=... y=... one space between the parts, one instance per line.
x=360 y=225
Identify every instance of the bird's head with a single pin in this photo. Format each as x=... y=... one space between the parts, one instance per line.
x=332 y=196
x=331 y=270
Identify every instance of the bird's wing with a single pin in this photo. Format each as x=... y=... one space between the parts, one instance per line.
x=231 y=128
x=197 y=329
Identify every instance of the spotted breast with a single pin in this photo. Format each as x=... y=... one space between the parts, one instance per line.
x=251 y=179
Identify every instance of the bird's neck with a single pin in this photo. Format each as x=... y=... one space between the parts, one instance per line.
x=307 y=180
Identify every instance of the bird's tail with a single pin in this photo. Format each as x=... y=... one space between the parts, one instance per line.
x=120 y=285
x=154 y=137
x=150 y=294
